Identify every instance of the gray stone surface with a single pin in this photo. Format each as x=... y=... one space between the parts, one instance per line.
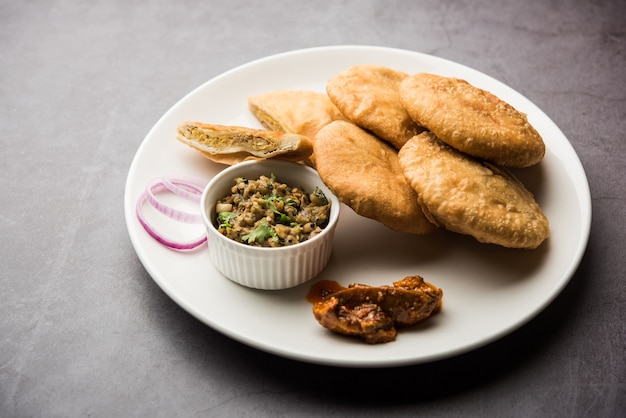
x=84 y=331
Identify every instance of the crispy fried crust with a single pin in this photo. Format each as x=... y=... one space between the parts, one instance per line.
x=472 y=198
x=364 y=172
x=233 y=144
x=368 y=96
x=296 y=111
x=471 y=120
x=301 y=112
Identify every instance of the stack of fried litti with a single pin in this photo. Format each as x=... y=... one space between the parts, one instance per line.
x=413 y=152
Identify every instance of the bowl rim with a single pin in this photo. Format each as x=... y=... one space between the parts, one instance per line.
x=221 y=176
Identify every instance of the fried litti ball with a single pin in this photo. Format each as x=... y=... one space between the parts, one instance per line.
x=471 y=120
x=468 y=196
x=364 y=173
x=368 y=96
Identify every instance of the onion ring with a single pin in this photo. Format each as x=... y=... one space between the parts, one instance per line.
x=183 y=187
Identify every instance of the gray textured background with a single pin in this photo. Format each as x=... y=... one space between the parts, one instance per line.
x=84 y=331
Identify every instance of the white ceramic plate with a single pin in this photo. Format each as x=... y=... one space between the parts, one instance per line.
x=489 y=291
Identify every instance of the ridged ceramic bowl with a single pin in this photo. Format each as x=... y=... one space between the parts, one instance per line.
x=268 y=268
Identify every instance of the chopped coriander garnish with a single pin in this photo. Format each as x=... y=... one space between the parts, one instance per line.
x=224 y=218
x=281 y=217
x=259 y=234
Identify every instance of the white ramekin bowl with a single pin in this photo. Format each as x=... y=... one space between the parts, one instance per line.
x=264 y=267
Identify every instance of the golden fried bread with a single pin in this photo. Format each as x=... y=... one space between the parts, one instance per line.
x=364 y=172
x=368 y=96
x=469 y=197
x=297 y=111
x=471 y=120
x=233 y=144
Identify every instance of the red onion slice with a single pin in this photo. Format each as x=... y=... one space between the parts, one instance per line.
x=178 y=215
x=183 y=187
